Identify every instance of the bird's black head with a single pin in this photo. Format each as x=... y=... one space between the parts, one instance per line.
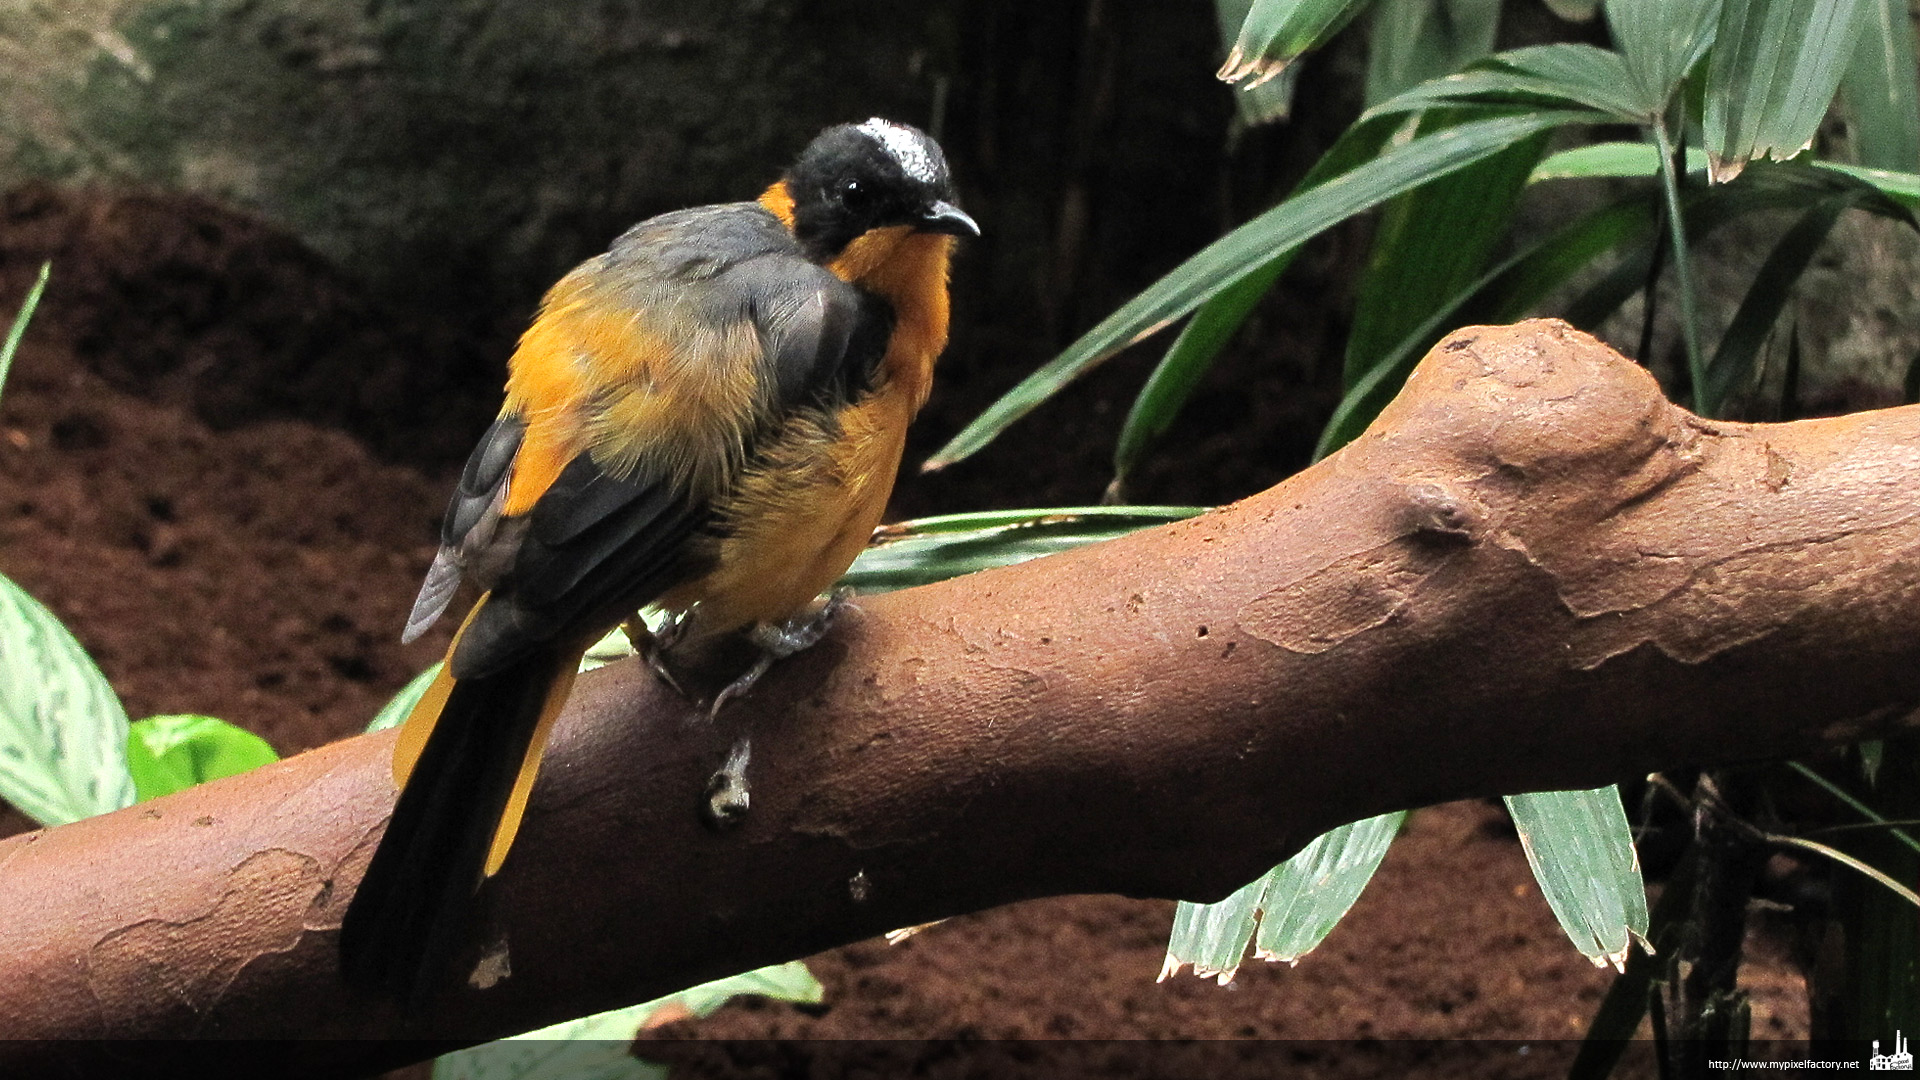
x=858 y=177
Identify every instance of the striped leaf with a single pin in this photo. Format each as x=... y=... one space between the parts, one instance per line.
x=63 y=734
x=1581 y=851
x=1293 y=907
x=1773 y=76
x=1881 y=89
x=935 y=549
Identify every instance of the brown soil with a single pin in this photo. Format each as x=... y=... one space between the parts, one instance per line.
x=222 y=548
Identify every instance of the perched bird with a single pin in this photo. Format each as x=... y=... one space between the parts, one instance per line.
x=706 y=419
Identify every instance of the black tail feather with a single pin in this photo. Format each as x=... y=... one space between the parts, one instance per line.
x=409 y=921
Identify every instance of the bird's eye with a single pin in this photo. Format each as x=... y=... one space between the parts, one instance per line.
x=854 y=195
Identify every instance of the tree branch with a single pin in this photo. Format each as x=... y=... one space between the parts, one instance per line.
x=1532 y=573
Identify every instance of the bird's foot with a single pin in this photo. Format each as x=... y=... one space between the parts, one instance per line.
x=653 y=646
x=777 y=641
x=727 y=793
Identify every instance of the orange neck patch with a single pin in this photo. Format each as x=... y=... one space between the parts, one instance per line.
x=779 y=202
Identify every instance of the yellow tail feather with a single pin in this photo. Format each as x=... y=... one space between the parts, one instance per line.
x=509 y=825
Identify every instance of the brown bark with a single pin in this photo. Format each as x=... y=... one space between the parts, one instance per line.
x=1532 y=573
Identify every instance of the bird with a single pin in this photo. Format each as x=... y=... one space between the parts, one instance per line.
x=705 y=420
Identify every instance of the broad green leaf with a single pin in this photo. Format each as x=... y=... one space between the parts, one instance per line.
x=1251 y=246
x=1502 y=295
x=1546 y=76
x=1625 y=1005
x=1581 y=851
x=395 y=711
x=1433 y=242
x=1661 y=41
x=20 y=321
x=1309 y=893
x=1295 y=905
x=63 y=734
x=1179 y=372
x=1881 y=89
x=935 y=549
x=1412 y=41
x=1213 y=937
x=1264 y=102
x=1773 y=76
x=166 y=754
x=600 y=1047
x=1276 y=31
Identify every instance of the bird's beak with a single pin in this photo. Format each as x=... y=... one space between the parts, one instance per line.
x=944 y=217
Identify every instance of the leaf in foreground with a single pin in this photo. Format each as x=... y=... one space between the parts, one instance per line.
x=166 y=754
x=1295 y=905
x=600 y=1047
x=63 y=733
x=396 y=709
x=1581 y=851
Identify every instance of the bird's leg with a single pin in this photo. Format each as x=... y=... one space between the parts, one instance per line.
x=653 y=645
x=727 y=793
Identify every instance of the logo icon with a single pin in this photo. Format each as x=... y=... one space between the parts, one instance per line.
x=1901 y=1060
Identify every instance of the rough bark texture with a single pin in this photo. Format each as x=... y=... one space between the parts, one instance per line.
x=1531 y=573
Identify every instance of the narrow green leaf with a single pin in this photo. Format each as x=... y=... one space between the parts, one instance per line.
x=63 y=734
x=1412 y=41
x=1703 y=402
x=1266 y=101
x=20 y=321
x=1881 y=89
x=1271 y=235
x=600 y=1047
x=1581 y=851
x=1277 y=31
x=1854 y=804
x=166 y=754
x=395 y=711
x=1610 y=160
x=912 y=553
x=1214 y=322
x=1295 y=905
x=1624 y=159
x=1733 y=361
x=1501 y=295
x=1543 y=76
x=1902 y=186
x=1773 y=76
x=1186 y=362
x=1661 y=41
x=1308 y=894
x=1432 y=243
